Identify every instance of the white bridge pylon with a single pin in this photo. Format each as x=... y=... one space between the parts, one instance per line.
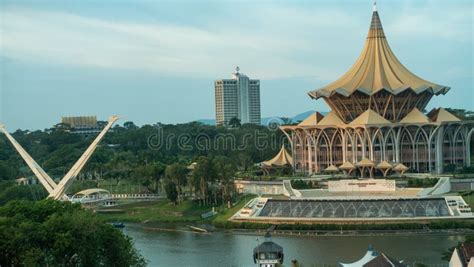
x=56 y=191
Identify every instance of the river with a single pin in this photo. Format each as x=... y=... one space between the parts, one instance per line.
x=163 y=248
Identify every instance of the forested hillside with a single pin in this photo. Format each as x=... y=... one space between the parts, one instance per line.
x=142 y=154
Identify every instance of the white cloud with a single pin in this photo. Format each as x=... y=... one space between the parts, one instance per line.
x=282 y=42
x=64 y=38
x=432 y=20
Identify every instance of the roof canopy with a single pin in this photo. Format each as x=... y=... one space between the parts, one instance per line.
x=312 y=120
x=442 y=115
x=365 y=162
x=91 y=191
x=369 y=117
x=373 y=258
x=282 y=159
x=415 y=116
x=384 y=165
x=331 y=119
x=400 y=167
x=377 y=68
x=347 y=166
x=331 y=168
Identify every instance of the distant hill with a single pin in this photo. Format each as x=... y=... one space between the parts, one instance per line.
x=266 y=120
x=302 y=116
x=207 y=121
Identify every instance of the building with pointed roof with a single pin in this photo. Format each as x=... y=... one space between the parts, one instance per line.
x=377 y=114
x=281 y=160
x=375 y=259
x=268 y=253
x=312 y=120
x=463 y=256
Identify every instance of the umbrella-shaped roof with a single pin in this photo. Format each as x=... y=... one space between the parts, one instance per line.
x=365 y=162
x=377 y=68
x=283 y=158
x=331 y=168
x=400 y=167
x=384 y=165
x=346 y=166
x=442 y=115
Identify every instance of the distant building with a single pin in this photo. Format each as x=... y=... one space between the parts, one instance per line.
x=83 y=125
x=22 y=181
x=463 y=257
x=238 y=97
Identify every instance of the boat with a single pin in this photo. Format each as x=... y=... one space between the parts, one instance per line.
x=118 y=225
x=197 y=229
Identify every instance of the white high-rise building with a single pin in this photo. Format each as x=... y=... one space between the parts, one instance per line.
x=238 y=97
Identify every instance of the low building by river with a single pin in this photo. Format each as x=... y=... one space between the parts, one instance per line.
x=268 y=253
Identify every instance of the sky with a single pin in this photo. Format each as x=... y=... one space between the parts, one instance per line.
x=156 y=61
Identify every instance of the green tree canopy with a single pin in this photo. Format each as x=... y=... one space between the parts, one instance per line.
x=171 y=192
x=53 y=233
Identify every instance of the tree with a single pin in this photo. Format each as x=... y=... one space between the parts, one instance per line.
x=156 y=171
x=245 y=160
x=178 y=174
x=203 y=173
x=54 y=233
x=235 y=123
x=129 y=125
x=6 y=172
x=225 y=172
x=62 y=127
x=171 y=192
x=11 y=191
x=286 y=121
x=461 y=113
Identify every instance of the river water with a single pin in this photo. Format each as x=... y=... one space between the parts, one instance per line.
x=170 y=248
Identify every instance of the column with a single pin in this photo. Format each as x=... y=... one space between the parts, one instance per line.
x=439 y=150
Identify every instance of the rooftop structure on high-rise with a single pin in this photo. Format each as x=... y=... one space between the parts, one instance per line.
x=82 y=125
x=377 y=121
x=238 y=97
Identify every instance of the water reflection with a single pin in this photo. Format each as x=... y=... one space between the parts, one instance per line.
x=225 y=249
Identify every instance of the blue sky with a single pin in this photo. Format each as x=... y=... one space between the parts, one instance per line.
x=155 y=61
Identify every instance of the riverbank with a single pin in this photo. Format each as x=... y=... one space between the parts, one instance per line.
x=183 y=228
x=165 y=211
x=189 y=213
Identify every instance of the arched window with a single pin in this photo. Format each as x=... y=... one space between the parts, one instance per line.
x=421 y=152
x=336 y=149
x=406 y=149
x=322 y=151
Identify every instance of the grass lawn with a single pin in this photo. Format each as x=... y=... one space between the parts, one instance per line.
x=227 y=213
x=156 y=211
x=165 y=211
x=469 y=198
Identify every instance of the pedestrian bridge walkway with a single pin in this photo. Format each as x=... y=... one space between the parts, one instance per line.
x=98 y=195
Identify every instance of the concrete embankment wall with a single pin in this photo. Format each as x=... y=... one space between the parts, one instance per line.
x=462 y=185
